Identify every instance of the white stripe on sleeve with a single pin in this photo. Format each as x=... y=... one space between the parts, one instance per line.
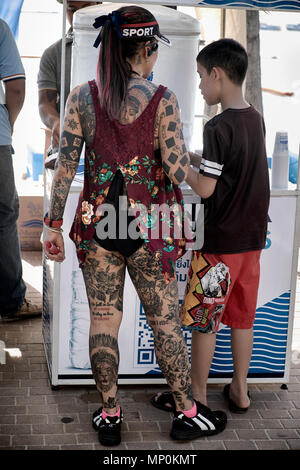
x=210 y=164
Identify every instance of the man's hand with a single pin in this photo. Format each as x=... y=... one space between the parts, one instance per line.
x=49 y=114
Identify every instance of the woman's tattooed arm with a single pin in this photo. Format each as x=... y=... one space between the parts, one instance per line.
x=175 y=158
x=71 y=143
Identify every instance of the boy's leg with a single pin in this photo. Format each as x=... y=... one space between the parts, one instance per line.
x=239 y=315
x=104 y=275
x=205 y=298
x=203 y=348
x=241 y=346
x=160 y=303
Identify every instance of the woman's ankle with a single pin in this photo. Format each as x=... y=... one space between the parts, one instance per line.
x=111 y=412
x=191 y=412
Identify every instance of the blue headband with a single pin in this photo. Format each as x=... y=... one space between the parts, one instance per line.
x=115 y=18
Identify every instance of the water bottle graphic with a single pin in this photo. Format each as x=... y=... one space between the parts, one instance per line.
x=280 y=161
x=80 y=321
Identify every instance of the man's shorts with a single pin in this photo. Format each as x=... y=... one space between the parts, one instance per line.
x=221 y=288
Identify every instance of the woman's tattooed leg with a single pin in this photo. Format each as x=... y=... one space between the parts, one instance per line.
x=160 y=303
x=104 y=275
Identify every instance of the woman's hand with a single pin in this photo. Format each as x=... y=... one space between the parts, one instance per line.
x=54 y=247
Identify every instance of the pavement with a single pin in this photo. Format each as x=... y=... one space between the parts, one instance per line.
x=34 y=416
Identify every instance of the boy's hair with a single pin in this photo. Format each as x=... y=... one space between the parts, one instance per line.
x=227 y=54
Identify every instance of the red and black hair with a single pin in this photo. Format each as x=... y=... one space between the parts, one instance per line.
x=113 y=69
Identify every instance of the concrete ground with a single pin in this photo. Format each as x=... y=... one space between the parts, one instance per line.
x=34 y=416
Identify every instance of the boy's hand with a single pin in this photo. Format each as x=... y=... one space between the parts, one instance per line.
x=196 y=158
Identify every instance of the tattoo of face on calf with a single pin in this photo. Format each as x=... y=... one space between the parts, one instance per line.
x=105 y=370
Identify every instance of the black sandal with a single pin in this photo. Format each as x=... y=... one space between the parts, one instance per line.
x=232 y=406
x=164 y=401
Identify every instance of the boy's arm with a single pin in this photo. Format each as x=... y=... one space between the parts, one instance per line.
x=202 y=185
x=212 y=161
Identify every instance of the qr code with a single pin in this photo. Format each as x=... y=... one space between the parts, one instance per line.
x=145 y=355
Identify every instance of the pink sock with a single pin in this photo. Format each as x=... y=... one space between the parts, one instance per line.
x=104 y=414
x=190 y=413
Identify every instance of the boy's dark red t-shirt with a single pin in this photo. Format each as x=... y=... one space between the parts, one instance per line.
x=234 y=153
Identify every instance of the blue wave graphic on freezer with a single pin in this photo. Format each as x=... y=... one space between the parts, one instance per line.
x=269 y=346
x=271 y=4
x=270 y=340
x=32 y=223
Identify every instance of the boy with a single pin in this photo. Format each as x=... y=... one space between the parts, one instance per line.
x=234 y=185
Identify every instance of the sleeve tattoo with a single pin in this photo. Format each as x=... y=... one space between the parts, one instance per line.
x=173 y=150
x=71 y=143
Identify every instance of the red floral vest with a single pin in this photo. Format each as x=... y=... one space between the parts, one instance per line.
x=129 y=148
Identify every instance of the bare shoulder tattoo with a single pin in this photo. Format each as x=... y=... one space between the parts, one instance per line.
x=138 y=97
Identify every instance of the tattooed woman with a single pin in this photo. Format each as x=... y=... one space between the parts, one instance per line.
x=134 y=149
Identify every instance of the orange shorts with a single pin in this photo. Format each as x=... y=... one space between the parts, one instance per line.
x=221 y=288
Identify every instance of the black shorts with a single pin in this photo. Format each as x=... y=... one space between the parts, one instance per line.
x=125 y=246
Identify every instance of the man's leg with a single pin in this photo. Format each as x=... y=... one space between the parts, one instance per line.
x=12 y=286
x=241 y=346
